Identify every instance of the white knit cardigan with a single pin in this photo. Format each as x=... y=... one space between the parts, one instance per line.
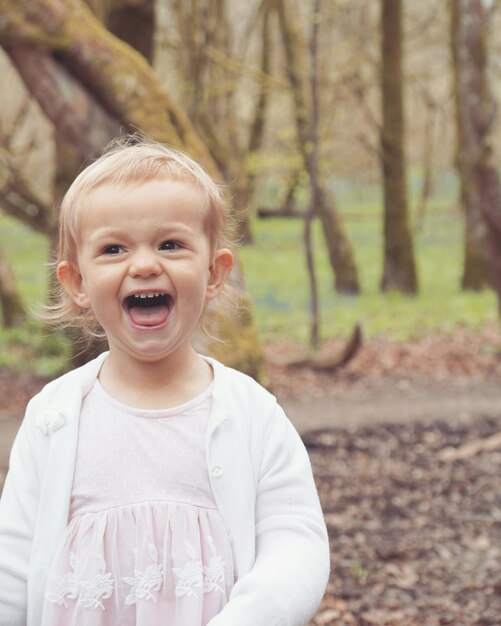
x=260 y=475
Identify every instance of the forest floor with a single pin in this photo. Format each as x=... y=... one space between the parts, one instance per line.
x=405 y=452
x=411 y=493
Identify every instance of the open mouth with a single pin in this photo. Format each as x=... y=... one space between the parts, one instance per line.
x=148 y=309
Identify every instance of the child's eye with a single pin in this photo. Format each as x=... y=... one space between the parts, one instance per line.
x=115 y=249
x=170 y=245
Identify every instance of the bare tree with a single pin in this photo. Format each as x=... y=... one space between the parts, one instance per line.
x=468 y=22
x=314 y=187
x=212 y=74
x=399 y=270
x=339 y=247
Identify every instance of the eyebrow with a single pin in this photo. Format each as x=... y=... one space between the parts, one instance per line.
x=106 y=232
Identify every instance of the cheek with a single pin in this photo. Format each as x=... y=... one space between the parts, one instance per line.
x=94 y=293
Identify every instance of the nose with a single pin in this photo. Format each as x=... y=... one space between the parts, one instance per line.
x=144 y=263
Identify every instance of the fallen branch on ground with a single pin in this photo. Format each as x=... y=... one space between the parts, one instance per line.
x=471 y=448
x=330 y=362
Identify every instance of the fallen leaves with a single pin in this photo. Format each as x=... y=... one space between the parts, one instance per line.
x=461 y=354
x=413 y=542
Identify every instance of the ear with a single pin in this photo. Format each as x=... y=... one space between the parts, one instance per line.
x=220 y=269
x=72 y=281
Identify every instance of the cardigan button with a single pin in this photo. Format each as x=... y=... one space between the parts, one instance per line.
x=217 y=471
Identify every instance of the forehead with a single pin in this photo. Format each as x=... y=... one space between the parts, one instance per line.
x=141 y=197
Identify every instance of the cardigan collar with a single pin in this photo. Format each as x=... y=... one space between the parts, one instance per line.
x=83 y=378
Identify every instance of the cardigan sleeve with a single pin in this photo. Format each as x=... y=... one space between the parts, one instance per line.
x=18 y=512
x=291 y=568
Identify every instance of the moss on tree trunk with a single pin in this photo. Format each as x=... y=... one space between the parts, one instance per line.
x=77 y=49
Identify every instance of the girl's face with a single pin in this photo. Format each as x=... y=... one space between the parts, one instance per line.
x=144 y=266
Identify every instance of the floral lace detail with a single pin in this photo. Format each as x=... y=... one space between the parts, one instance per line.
x=88 y=593
x=214 y=572
x=65 y=588
x=194 y=575
x=144 y=583
x=192 y=578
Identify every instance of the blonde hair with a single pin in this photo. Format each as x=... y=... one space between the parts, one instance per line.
x=127 y=160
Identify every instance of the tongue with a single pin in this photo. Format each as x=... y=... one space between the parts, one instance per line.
x=150 y=316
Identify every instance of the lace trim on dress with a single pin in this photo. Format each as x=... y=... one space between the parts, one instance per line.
x=194 y=575
x=214 y=572
x=88 y=593
x=143 y=583
x=191 y=578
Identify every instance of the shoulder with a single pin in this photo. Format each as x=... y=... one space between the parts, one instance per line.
x=236 y=387
x=249 y=404
x=75 y=383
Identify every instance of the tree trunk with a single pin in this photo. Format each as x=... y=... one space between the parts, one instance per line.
x=399 y=271
x=338 y=245
x=79 y=119
x=133 y=21
x=340 y=250
x=314 y=187
x=467 y=33
x=476 y=114
x=120 y=78
x=257 y=128
x=76 y=51
x=21 y=201
x=10 y=301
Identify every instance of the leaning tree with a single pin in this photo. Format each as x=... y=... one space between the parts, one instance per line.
x=90 y=85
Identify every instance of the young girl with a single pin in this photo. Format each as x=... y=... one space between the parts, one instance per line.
x=154 y=485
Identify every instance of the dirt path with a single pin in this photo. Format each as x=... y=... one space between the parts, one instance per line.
x=384 y=401
x=362 y=403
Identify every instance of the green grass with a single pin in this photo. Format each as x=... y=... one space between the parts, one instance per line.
x=275 y=276
x=29 y=346
x=28 y=252
x=276 y=279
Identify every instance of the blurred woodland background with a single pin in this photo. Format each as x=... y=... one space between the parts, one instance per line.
x=360 y=142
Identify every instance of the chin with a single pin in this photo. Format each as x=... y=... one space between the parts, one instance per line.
x=152 y=352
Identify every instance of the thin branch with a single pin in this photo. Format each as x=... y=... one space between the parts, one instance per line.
x=20 y=200
x=257 y=128
x=314 y=185
x=239 y=69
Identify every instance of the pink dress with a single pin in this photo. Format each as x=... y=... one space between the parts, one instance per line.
x=145 y=543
